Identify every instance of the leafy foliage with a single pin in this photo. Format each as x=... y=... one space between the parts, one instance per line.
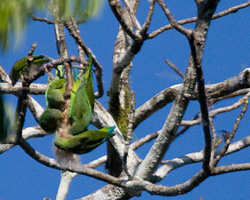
x=14 y=14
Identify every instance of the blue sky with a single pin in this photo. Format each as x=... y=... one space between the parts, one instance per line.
x=226 y=54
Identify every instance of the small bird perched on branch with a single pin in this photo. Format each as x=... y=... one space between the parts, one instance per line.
x=26 y=65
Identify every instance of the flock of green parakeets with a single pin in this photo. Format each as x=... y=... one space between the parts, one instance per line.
x=80 y=139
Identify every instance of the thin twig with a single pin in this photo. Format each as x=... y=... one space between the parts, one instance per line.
x=231 y=135
x=214 y=140
x=193 y=19
x=186 y=127
x=118 y=12
x=172 y=21
x=147 y=22
x=41 y=19
x=173 y=67
x=132 y=15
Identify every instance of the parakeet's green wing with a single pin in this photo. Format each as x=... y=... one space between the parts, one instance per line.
x=54 y=93
x=81 y=112
x=85 y=141
x=17 y=69
x=89 y=82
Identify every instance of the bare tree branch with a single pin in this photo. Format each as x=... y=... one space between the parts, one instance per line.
x=215 y=112
x=163 y=141
x=217 y=90
x=41 y=19
x=147 y=22
x=172 y=21
x=193 y=19
x=116 y=7
x=80 y=169
x=174 y=68
x=231 y=135
x=195 y=157
x=231 y=168
x=66 y=178
x=132 y=15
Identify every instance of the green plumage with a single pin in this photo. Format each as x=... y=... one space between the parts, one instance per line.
x=85 y=141
x=55 y=91
x=82 y=101
x=87 y=77
x=50 y=119
x=20 y=67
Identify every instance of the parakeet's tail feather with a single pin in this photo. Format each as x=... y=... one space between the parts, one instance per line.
x=108 y=129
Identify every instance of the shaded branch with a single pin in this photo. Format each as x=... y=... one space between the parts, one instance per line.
x=195 y=42
x=27 y=133
x=80 y=169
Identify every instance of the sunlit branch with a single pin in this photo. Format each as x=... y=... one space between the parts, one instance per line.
x=195 y=157
x=117 y=141
x=215 y=141
x=132 y=15
x=171 y=125
x=35 y=88
x=215 y=112
x=231 y=168
x=66 y=178
x=232 y=86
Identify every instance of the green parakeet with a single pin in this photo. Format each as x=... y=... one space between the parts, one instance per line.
x=55 y=91
x=50 y=119
x=85 y=141
x=82 y=101
x=20 y=67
